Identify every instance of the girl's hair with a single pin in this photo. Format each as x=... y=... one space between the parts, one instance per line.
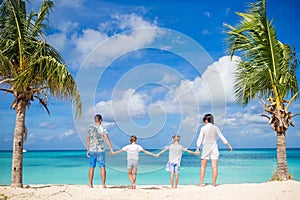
x=209 y=118
x=132 y=139
x=176 y=138
x=97 y=118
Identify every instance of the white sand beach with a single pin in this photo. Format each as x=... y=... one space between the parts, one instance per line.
x=288 y=190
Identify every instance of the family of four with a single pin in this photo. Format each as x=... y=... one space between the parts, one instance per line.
x=208 y=137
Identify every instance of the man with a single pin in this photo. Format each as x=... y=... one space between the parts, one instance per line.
x=96 y=149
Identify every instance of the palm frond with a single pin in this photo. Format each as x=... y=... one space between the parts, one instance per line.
x=40 y=19
x=6 y=67
x=267 y=67
x=49 y=73
x=43 y=102
x=27 y=58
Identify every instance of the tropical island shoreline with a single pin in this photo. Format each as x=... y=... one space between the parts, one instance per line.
x=269 y=190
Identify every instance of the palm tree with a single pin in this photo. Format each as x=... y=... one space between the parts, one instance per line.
x=30 y=69
x=267 y=70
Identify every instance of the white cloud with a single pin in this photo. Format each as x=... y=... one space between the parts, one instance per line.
x=93 y=42
x=184 y=98
x=216 y=81
x=62 y=39
x=181 y=100
x=205 y=32
x=47 y=138
x=207 y=14
x=187 y=95
x=242 y=119
x=169 y=79
x=58 y=41
x=129 y=104
x=47 y=125
x=67 y=26
x=30 y=136
x=118 y=45
x=132 y=21
x=248 y=122
x=44 y=124
x=166 y=47
x=87 y=40
x=67 y=133
x=255 y=131
x=227 y=11
x=222 y=69
x=190 y=123
x=70 y=3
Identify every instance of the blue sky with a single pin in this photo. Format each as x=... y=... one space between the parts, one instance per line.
x=153 y=69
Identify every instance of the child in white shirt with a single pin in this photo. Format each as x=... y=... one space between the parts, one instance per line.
x=133 y=150
x=175 y=154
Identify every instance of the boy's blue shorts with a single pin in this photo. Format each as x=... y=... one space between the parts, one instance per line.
x=97 y=156
x=172 y=167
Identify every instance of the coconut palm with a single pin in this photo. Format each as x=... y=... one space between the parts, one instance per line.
x=30 y=69
x=267 y=70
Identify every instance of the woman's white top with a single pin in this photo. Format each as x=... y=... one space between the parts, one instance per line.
x=208 y=137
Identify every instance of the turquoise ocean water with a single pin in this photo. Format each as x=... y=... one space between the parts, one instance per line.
x=71 y=167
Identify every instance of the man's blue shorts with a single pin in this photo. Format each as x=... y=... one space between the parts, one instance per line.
x=97 y=156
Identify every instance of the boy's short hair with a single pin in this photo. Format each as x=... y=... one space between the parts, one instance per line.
x=176 y=137
x=209 y=118
x=97 y=118
x=133 y=138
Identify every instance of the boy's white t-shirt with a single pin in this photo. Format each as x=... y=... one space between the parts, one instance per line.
x=175 y=153
x=132 y=151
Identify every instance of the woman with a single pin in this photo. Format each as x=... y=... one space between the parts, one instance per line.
x=208 y=137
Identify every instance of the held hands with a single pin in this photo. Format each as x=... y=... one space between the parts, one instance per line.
x=154 y=155
x=229 y=147
x=112 y=152
x=197 y=152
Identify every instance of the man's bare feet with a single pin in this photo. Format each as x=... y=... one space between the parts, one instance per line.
x=91 y=186
x=103 y=186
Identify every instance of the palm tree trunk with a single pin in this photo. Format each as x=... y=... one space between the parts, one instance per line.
x=282 y=168
x=17 y=159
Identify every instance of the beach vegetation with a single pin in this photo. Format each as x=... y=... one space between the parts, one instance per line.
x=276 y=177
x=267 y=71
x=3 y=197
x=30 y=69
